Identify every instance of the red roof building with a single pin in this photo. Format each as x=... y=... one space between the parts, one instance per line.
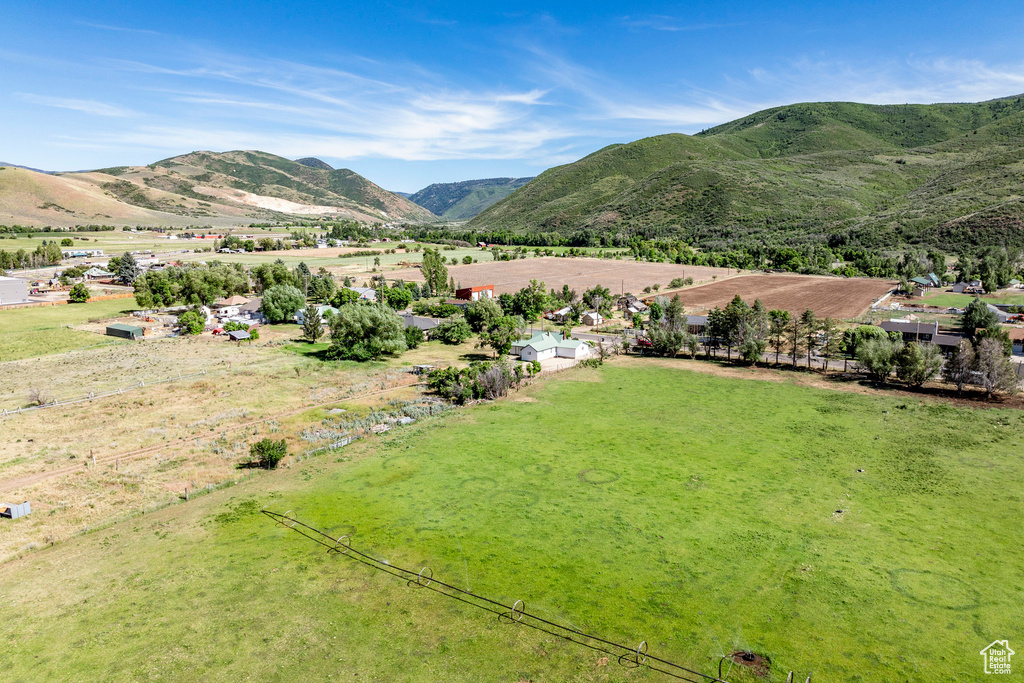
x=475 y=293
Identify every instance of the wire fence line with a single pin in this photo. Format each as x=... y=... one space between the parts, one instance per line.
x=515 y=614
x=91 y=396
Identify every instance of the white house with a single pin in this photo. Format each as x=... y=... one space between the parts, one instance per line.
x=561 y=315
x=518 y=346
x=592 y=318
x=324 y=310
x=572 y=348
x=368 y=293
x=544 y=345
x=542 y=349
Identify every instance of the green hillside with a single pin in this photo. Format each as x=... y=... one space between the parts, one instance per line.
x=464 y=200
x=274 y=176
x=941 y=174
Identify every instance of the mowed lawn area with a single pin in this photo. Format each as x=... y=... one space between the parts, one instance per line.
x=962 y=300
x=42 y=330
x=638 y=502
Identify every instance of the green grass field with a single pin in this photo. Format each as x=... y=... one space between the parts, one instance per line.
x=41 y=330
x=962 y=300
x=638 y=502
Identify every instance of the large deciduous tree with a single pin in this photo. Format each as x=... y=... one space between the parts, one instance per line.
x=281 y=302
x=366 y=332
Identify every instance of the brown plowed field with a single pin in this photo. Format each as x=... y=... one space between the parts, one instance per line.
x=830 y=297
x=579 y=273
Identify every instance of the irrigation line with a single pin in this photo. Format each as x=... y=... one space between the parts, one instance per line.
x=628 y=657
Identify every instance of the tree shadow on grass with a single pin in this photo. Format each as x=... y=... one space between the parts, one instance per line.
x=470 y=357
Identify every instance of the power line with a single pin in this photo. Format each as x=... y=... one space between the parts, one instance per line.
x=629 y=657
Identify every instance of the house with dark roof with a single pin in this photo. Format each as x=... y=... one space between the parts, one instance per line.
x=420 y=322
x=912 y=330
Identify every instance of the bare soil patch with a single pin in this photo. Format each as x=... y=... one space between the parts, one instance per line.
x=832 y=297
x=579 y=273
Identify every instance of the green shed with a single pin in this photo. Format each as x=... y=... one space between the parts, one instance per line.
x=126 y=331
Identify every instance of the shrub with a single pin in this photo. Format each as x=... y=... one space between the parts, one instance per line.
x=268 y=452
x=413 y=337
x=191 y=322
x=79 y=294
x=453 y=331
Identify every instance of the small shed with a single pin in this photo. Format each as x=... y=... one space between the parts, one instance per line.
x=12 y=511
x=592 y=318
x=125 y=331
x=238 y=335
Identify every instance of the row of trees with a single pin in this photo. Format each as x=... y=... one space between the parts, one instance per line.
x=191 y=284
x=48 y=253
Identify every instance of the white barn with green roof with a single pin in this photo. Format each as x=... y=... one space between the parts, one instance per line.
x=545 y=345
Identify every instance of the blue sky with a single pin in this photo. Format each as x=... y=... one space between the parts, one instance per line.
x=413 y=93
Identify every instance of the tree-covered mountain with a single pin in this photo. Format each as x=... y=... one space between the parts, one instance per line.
x=218 y=188
x=876 y=175
x=464 y=200
x=313 y=162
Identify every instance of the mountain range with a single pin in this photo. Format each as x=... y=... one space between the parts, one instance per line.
x=871 y=174
x=199 y=188
x=463 y=200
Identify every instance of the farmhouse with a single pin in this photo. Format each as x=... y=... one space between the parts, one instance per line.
x=561 y=315
x=912 y=330
x=250 y=312
x=544 y=345
x=13 y=291
x=368 y=293
x=475 y=293
x=96 y=273
x=1001 y=315
x=229 y=307
x=696 y=324
x=125 y=331
x=973 y=287
x=630 y=304
x=422 y=323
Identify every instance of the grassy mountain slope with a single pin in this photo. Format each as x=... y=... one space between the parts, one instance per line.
x=887 y=174
x=464 y=200
x=33 y=198
x=217 y=188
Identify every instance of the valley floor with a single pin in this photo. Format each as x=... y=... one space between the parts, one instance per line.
x=858 y=537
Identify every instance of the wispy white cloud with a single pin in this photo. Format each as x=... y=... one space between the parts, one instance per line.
x=661 y=22
x=913 y=80
x=121 y=29
x=84 y=106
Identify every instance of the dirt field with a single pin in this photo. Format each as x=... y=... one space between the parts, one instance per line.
x=826 y=296
x=579 y=273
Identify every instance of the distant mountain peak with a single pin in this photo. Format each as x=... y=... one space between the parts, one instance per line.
x=313 y=162
x=464 y=200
